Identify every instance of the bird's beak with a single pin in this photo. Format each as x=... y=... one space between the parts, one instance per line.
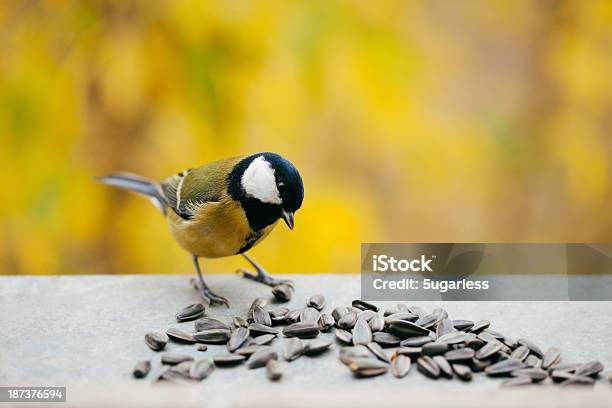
x=288 y=217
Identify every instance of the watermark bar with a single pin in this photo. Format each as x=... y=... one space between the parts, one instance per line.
x=480 y=271
x=32 y=394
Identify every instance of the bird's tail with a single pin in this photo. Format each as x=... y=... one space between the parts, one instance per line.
x=137 y=184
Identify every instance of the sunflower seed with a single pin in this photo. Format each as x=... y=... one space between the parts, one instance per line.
x=459 y=355
x=237 y=338
x=201 y=369
x=561 y=375
x=344 y=336
x=316 y=301
x=410 y=317
x=278 y=314
x=532 y=361
x=207 y=323
x=564 y=367
x=428 y=366
x=536 y=374
x=463 y=325
x=417 y=310
x=590 y=369
x=578 y=380
x=362 y=334
x=349 y=353
x=303 y=330
x=367 y=367
x=250 y=349
x=258 y=329
x=386 y=339
x=156 y=341
x=315 y=347
x=474 y=343
x=488 y=338
x=202 y=347
x=238 y=321
x=480 y=326
x=348 y=320
x=182 y=369
x=378 y=352
x=376 y=323
x=412 y=352
x=263 y=339
x=179 y=335
x=282 y=292
x=417 y=341
x=294 y=348
x=363 y=305
x=213 y=336
x=435 y=348
x=228 y=359
x=489 y=350
x=190 y=312
x=261 y=357
x=141 y=369
x=444 y=326
x=310 y=314
x=273 y=370
x=292 y=316
x=326 y=322
x=400 y=366
x=478 y=365
x=462 y=372
x=404 y=329
x=456 y=337
x=427 y=321
x=551 y=357
x=171 y=358
x=504 y=367
x=338 y=312
x=366 y=315
x=531 y=346
x=517 y=381
x=261 y=316
x=444 y=366
x=520 y=353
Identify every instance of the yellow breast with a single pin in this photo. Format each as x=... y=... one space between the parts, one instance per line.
x=218 y=229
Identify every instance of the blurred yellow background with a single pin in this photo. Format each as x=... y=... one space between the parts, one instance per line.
x=426 y=121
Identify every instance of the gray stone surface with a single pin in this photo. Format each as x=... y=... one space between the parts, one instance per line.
x=87 y=332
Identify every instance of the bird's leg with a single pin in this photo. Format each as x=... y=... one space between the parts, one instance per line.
x=262 y=276
x=205 y=290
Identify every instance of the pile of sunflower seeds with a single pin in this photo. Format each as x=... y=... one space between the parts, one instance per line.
x=371 y=343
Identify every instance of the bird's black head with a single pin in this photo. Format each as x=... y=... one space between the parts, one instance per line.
x=269 y=187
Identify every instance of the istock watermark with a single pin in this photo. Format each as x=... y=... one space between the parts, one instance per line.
x=481 y=271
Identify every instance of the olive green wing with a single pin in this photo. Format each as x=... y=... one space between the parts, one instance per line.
x=191 y=188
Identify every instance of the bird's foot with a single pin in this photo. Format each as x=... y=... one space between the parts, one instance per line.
x=209 y=296
x=264 y=278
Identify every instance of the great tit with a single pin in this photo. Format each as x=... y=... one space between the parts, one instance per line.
x=224 y=208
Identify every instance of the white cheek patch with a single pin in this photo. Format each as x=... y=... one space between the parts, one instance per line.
x=259 y=182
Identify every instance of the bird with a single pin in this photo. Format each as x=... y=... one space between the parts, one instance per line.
x=223 y=208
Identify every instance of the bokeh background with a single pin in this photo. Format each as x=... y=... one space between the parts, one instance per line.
x=426 y=121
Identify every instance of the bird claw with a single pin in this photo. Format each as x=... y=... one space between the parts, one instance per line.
x=209 y=297
x=264 y=278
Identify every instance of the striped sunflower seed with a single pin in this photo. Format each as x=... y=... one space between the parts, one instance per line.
x=282 y=292
x=258 y=329
x=314 y=347
x=156 y=341
x=201 y=369
x=362 y=334
x=462 y=372
x=590 y=369
x=386 y=339
x=303 y=330
x=278 y=314
x=533 y=361
x=517 y=381
x=536 y=374
x=261 y=357
x=172 y=358
x=428 y=321
x=349 y=353
x=378 y=352
x=456 y=337
x=504 y=367
x=226 y=360
x=141 y=369
x=366 y=315
x=461 y=355
x=376 y=323
x=480 y=326
x=417 y=341
x=417 y=310
x=531 y=346
x=428 y=366
x=344 y=336
x=488 y=350
x=237 y=339
x=316 y=301
x=190 y=312
x=261 y=316
x=444 y=366
x=363 y=305
x=293 y=316
x=435 y=348
x=463 y=325
x=412 y=352
x=367 y=367
x=294 y=348
x=326 y=322
x=410 y=317
x=404 y=329
x=250 y=349
x=238 y=321
x=310 y=314
x=179 y=335
x=520 y=353
x=400 y=366
x=444 y=326
x=208 y=323
x=263 y=339
x=213 y=336
x=338 y=312
x=273 y=370
x=348 y=320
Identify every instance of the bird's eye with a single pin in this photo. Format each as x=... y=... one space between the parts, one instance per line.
x=281 y=186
